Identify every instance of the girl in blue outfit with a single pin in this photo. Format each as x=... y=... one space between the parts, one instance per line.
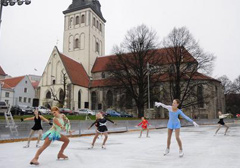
x=174 y=124
x=60 y=122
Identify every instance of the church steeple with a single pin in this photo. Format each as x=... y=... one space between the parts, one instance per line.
x=84 y=32
x=83 y=4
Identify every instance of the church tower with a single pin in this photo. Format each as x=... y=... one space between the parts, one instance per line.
x=84 y=32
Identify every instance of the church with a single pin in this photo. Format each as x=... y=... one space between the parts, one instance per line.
x=78 y=74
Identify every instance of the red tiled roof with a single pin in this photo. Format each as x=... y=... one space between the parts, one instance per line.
x=2 y=72
x=101 y=63
x=12 y=82
x=76 y=71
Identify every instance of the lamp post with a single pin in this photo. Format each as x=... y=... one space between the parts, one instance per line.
x=11 y=3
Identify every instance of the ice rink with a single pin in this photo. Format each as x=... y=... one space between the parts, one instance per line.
x=126 y=150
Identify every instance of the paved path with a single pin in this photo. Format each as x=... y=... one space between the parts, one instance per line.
x=126 y=150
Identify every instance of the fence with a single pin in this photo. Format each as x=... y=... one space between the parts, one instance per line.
x=81 y=127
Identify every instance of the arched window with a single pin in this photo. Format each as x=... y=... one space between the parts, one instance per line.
x=61 y=96
x=100 y=27
x=79 y=99
x=83 y=19
x=94 y=21
x=48 y=95
x=109 y=99
x=200 y=99
x=94 y=100
x=76 y=43
x=97 y=47
x=77 y=20
x=71 y=22
x=97 y=24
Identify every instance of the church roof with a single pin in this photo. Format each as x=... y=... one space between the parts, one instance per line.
x=83 y=4
x=2 y=72
x=102 y=63
x=12 y=82
x=75 y=71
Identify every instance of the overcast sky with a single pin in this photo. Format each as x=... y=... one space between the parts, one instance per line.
x=29 y=33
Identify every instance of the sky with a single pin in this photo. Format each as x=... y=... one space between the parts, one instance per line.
x=28 y=33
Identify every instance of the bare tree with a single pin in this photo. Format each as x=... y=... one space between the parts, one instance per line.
x=227 y=84
x=129 y=66
x=62 y=95
x=236 y=85
x=187 y=60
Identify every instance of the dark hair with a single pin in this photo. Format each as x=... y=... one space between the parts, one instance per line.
x=178 y=101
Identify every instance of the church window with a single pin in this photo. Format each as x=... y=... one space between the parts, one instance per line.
x=200 y=99
x=71 y=22
x=76 y=44
x=94 y=21
x=77 y=20
x=109 y=99
x=97 y=47
x=61 y=95
x=79 y=99
x=48 y=95
x=94 y=100
x=83 y=19
x=100 y=27
x=97 y=24
x=54 y=82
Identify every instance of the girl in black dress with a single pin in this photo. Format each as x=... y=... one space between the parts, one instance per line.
x=221 y=122
x=37 y=127
x=101 y=129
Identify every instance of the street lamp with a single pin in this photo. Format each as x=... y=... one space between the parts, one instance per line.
x=11 y=3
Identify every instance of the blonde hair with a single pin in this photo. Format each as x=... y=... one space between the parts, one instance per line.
x=99 y=115
x=54 y=108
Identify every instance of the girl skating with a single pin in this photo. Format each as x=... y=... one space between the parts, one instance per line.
x=174 y=124
x=221 y=122
x=37 y=127
x=60 y=122
x=101 y=129
x=145 y=125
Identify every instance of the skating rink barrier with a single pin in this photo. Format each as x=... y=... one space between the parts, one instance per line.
x=81 y=127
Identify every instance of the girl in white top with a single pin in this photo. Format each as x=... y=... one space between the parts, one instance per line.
x=221 y=122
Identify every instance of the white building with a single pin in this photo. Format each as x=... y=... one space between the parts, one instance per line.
x=17 y=91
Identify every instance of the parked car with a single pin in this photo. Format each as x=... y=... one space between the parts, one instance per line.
x=124 y=114
x=26 y=110
x=44 y=110
x=66 y=111
x=3 y=107
x=84 y=112
x=112 y=113
x=16 y=110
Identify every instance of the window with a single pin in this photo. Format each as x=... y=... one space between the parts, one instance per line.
x=29 y=100
x=94 y=100
x=97 y=24
x=109 y=99
x=97 y=47
x=103 y=75
x=25 y=100
x=94 y=21
x=70 y=22
x=83 y=19
x=7 y=94
x=48 y=95
x=79 y=99
x=200 y=96
x=26 y=82
x=20 y=99
x=77 y=20
x=100 y=27
x=25 y=90
x=76 y=44
x=54 y=82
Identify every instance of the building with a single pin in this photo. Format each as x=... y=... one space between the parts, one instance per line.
x=80 y=74
x=17 y=91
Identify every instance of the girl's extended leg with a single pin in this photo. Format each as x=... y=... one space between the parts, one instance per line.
x=40 y=150
x=227 y=127
x=177 y=135
x=168 y=141
x=39 y=137
x=65 y=141
x=219 y=126
x=105 y=139
x=29 y=138
x=147 y=133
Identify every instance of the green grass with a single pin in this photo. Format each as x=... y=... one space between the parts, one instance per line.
x=70 y=117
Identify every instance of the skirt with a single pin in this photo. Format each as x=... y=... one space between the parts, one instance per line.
x=52 y=135
x=221 y=122
x=102 y=129
x=173 y=125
